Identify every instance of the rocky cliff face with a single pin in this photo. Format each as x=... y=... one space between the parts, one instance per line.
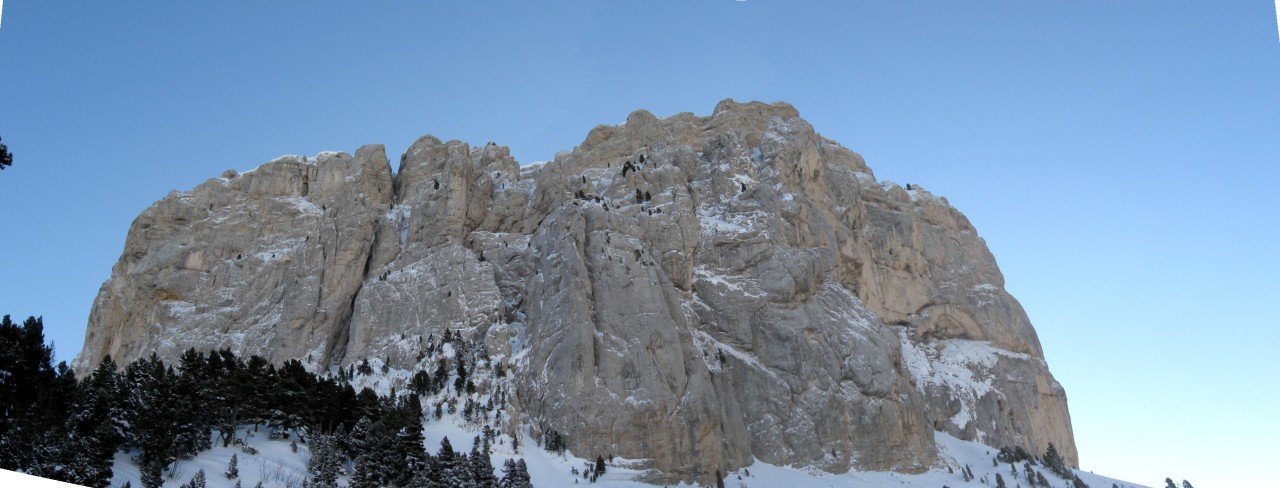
x=696 y=291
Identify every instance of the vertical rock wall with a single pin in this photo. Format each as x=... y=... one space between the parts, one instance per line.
x=696 y=291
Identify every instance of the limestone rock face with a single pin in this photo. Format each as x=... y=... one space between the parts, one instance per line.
x=264 y=262
x=695 y=291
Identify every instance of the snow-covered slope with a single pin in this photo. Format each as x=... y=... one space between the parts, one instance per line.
x=277 y=465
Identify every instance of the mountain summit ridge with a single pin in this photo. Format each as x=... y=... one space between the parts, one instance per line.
x=695 y=291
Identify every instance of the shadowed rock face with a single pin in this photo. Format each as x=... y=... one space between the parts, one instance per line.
x=696 y=291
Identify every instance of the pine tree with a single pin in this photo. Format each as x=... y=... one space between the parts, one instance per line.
x=460 y=384
x=554 y=442
x=481 y=465
x=1186 y=484
x=27 y=409
x=515 y=474
x=369 y=471
x=452 y=469
x=233 y=472
x=197 y=481
x=6 y=158
x=99 y=418
x=508 y=471
x=1168 y=483
x=358 y=441
x=324 y=463
x=409 y=451
x=1000 y=481
x=421 y=383
x=193 y=421
x=380 y=462
x=151 y=474
x=1055 y=463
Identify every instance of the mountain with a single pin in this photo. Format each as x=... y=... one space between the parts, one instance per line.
x=695 y=292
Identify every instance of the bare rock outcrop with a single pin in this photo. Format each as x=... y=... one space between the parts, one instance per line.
x=695 y=291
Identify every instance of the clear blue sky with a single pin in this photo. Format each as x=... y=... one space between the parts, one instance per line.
x=1120 y=158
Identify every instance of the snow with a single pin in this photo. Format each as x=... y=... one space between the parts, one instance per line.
x=958 y=365
x=179 y=308
x=716 y=220
x=399 y=214
x=286 y=157
x=302 y=205
x=279 y=249
x=737 y=284
x=277 y=466
x=779 y=129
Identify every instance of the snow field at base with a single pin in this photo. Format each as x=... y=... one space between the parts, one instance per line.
x=551 y=470
x=10 y=478
x=277 y=466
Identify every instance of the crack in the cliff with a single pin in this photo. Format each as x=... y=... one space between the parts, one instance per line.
x=336 y=350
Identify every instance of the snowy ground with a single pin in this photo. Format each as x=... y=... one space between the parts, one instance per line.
x=277 y=466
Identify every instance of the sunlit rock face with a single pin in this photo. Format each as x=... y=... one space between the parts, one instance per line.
x=694 y=291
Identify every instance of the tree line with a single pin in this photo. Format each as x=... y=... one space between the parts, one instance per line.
x=57 y=426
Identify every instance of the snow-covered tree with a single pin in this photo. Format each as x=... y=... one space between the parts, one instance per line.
x=481 y=465
x=324 y=463
x=150 y=471
x=233 y=471
x=197 y=481
x=451 y=468
x=358 y=441
x=515 y=474
x=1055 y=463
x=409 y=450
